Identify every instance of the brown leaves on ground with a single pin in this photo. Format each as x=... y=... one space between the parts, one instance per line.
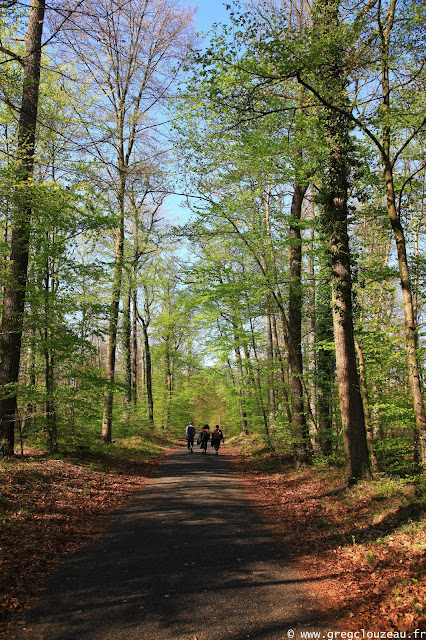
x=49 y=508
x=362 y=550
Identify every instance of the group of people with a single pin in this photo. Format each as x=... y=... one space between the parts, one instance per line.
x=204 y=437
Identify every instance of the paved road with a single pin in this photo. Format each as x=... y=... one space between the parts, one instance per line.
x=189 y=557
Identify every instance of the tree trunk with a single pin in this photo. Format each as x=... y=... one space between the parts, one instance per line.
x=367 y=413
x=259 y=388
x=14 y=294
x=312 y=320
x=270 y=365
x=168 y=379
x=113 y=318
x=134 y=365
x=282 y=369
x=148 y=372
x=127 y=345
x=240 y=389
x=398 y=233
x=298 y=418
x=333 y=195
x=49 y=360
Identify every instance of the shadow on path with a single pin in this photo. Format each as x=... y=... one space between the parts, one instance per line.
x=188 y=557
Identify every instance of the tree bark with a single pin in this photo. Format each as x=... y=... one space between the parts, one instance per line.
x=240 y=390
x=14 y=295
x=134 y=365
x=148 y=371
x=113 y=318
x=333 y=195
x=300 y=428
x=270 y=365
x=367 y=413
x=326 y=365
x=410 y=322
x=127 y=344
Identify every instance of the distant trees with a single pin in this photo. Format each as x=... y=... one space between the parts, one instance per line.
x=127 y=53
x=284 y=305
x=250 y=74
x=100 y=138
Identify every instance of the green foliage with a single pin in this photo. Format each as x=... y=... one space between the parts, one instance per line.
x=396 y=456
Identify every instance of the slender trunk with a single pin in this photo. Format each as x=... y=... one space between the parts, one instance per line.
x=292 y=326
x=409 y=317
x=410 y=323
x=168 y=379
x=259 y=388
x=270 y=366
x=240 y=389
x=49 y=358
x=127 y=345
x=325 y=352
x=148 y=371
x=134 y=364
x=14 y=293
x=312 y=322
x=113 y=318
x=28 y=418
x=300 y=429
x=326 y=365
x=367 y=413
x=282 y=369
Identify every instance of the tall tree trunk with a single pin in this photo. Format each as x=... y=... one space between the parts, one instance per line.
x=367 y=413
x=14 y=295
x=270 y=365
x=282 y=369
x=49 y=361
x=326 y=365
x=240 y=381
x=134 y=365
x=410 y=322
x=28 y=418
x=312 y=317
x=127 y=344
x=300 y=428
x=259 y=388
x=240 y=391
x=113 y=317
x=168 y=379
x=148 y=371
x=333 y=196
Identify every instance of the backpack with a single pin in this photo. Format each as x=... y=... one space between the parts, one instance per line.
x=190 y=431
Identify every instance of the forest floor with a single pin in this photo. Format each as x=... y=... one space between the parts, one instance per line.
x=51 y=507
x=366 y=545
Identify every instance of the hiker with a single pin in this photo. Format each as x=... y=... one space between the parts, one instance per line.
x=217 y=436
x=189 y=435
x=205 y=437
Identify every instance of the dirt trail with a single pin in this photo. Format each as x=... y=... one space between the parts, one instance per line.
x=189 y=557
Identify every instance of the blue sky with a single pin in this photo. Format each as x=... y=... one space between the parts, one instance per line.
x=209 y=11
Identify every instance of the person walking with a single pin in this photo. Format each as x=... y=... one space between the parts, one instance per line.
x=189 y=435
x=205 y=437
x=217 y=438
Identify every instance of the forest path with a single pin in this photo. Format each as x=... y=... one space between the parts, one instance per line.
x=188 y=557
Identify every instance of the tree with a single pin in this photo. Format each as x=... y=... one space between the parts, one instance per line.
x=129 y=57
x=333 y=197
x=14 y=296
